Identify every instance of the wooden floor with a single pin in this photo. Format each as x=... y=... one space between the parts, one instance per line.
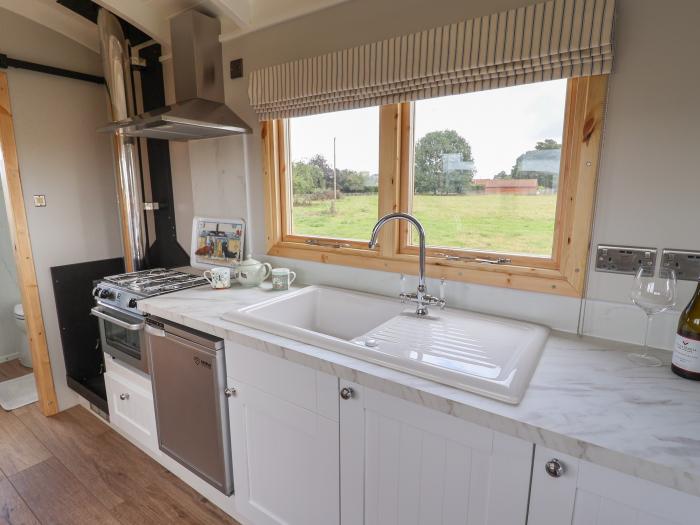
x=72 y=469
x=13 y=369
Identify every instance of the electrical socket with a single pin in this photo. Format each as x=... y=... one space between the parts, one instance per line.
x=625 y=259
x=686 y=264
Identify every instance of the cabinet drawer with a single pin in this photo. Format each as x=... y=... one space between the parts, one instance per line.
x=127 y=373
x=131 y=410
x=295 y=383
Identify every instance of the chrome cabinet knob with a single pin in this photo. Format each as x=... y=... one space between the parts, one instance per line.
x=554 y=468
x=347 y=392
x=230 y=392
x=124 y=397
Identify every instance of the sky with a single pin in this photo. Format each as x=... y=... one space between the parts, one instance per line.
x=499 y=124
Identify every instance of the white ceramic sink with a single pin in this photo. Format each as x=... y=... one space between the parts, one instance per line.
x=488 y=355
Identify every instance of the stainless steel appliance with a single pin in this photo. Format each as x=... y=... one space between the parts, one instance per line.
x=188 y=373
x=121 y=320
x=117 y=69
x=200 y=111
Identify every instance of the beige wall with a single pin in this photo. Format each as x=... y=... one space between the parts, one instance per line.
x=26 y=40
x=648 y=191
x=61 y=156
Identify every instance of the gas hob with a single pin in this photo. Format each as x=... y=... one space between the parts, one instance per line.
x=123 y=291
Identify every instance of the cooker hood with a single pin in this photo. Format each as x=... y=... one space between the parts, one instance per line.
x=200 y=111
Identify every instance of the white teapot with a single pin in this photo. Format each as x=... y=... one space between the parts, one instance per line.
x=251 y=272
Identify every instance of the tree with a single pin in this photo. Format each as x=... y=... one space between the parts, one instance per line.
x=327 y=169
x=350 y=181
x=431 y=175
x=547 y=144
x=306 y=178
x=501 y=175
x=542 y=164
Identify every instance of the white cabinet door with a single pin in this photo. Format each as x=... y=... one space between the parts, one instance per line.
x=285 y=460
x=403 y=464
x=587 y=494
x=131 y=409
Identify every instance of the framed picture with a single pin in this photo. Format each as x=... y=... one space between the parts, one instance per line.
x=216 y=242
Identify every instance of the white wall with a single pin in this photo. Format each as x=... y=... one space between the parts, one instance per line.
x=9 y=292
x=649 y=186
x=61 y=156
x=648 y=191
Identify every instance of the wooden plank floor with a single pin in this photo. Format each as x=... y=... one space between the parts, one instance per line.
x=72 y=469
x=13 y=369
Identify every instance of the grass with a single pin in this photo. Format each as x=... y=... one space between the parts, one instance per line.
x=503 y=223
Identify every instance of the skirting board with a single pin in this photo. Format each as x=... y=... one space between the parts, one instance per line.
x=8 y=357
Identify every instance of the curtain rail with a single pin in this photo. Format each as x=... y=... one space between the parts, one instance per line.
x=6 y=62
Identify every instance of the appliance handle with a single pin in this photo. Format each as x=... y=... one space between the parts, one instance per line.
x=150 y=330
x=98 y=311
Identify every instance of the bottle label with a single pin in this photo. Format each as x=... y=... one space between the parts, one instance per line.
x=686 y=354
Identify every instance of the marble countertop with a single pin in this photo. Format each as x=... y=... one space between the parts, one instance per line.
x=585 y=398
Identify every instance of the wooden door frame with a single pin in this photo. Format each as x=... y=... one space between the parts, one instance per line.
x=24 y=260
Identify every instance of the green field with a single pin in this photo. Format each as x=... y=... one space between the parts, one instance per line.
x=504 y=223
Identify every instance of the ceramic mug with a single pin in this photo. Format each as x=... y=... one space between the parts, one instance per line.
x=282 y=278
x=218 y=278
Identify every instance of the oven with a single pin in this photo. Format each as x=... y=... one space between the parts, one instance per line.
x=122 y=334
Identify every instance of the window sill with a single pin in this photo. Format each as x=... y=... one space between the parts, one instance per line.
x=526 y=278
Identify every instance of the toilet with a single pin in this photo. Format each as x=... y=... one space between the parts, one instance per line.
x=25 y=356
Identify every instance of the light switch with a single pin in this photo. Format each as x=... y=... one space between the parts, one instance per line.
x=40 y=201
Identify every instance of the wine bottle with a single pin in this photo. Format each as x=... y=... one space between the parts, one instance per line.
x=686 y=351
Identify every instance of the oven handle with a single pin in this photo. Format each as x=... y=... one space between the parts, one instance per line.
x=98 y=311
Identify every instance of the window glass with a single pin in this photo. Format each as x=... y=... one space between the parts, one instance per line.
x=334 y=159
x=486 y=168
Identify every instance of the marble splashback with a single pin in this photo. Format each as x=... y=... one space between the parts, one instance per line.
x=585 y=398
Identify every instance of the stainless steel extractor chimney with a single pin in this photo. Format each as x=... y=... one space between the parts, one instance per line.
x=117 y=71
x=199 y=111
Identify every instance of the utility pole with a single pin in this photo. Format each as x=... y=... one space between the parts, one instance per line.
x=335 y=181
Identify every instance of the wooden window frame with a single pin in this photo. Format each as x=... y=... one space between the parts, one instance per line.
x=564 y=273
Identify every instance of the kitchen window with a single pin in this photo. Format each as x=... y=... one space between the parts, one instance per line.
x=333 y=161
x=503 y=181
x=486 y=168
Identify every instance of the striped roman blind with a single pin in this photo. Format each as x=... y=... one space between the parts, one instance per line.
x=544 y=41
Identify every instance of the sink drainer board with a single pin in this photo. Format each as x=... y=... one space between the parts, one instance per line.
x=488 y=355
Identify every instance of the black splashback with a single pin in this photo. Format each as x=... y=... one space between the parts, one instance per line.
x=80 y=334
x=164 y=251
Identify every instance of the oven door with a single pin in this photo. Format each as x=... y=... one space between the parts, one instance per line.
x=122 y=335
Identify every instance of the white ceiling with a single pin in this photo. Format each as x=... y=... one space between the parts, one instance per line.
x=151 y=16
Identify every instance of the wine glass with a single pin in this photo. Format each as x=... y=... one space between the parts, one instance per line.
x=653 y=295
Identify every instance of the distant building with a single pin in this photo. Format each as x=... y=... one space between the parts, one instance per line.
x=516 y=186
x=540 y=161
x=453 y=162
